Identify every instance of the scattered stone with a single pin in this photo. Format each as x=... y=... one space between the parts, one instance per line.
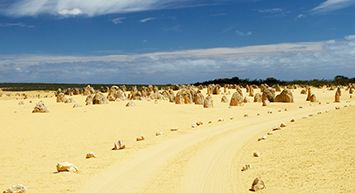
x=276 y=129
x=282 y=125
x=90 y=155
x=300 y=107
x=258 y=114
x=67 y=167
x=173 y=129
x=131 y=104
x=21 y=103
x=118 y=146
x=199 y=123
x=246 y=115
x=292 y=120
x=141 y=138
x=256 y=154
x=269 y=133
x=18 y=188
x=194 y=125
x=262 y=138
x=257 y=185
x=209 y=122
x=245 y=168
x=76 y=106
x=224 y=99
x=40 y=108
x=220 y=120
x=158 y=133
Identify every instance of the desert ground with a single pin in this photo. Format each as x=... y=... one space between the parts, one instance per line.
x=313 y=153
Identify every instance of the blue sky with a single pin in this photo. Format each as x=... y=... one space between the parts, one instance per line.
x=174 y=41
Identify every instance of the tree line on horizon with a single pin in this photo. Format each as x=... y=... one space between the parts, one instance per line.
x=338 y=80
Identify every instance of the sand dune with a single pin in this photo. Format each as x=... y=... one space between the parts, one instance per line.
x=202 y=159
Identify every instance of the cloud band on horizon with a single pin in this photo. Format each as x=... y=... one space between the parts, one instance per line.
x=288 y=61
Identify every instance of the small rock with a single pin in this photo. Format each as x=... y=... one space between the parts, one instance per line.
x=173 y=129
x=90 y=155
x=245 y=115
x=40 y=108
x=18 y=188
x=257 y=185
x=282 y=125
x=245 y=168
x=158 y=133
x=199 y=123
x=256 y=154
x=269 y=133
x=141 y=138
x=194 y=125
x=66 y=167
x=292 y=120
x=276 y=129
x=76 y=106
x=118 y=146
x=262 y=138
x=131 y=104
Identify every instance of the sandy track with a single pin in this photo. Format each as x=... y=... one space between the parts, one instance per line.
x=200 y=161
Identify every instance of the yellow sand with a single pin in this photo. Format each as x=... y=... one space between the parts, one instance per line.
x=190 y=160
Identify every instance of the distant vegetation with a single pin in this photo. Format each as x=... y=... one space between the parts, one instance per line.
x=51 y=86
x=338 y=80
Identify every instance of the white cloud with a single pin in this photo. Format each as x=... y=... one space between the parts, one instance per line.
x=332 y=5
x=148 y=19
x=89 y=7
x=16 y=25
x=271 y=11
x=302 y=60
x=118 y=20
x=241 y=33
x=70 y=12
x=300 y=16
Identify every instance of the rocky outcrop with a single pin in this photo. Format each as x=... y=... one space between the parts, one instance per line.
x=284 y=97
x=199 y=98
x=18 y=188
x=208 y=103
x=257 y=185
x=40 y=108
x=236 y=100
x=88 y=90
x=67 y=167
